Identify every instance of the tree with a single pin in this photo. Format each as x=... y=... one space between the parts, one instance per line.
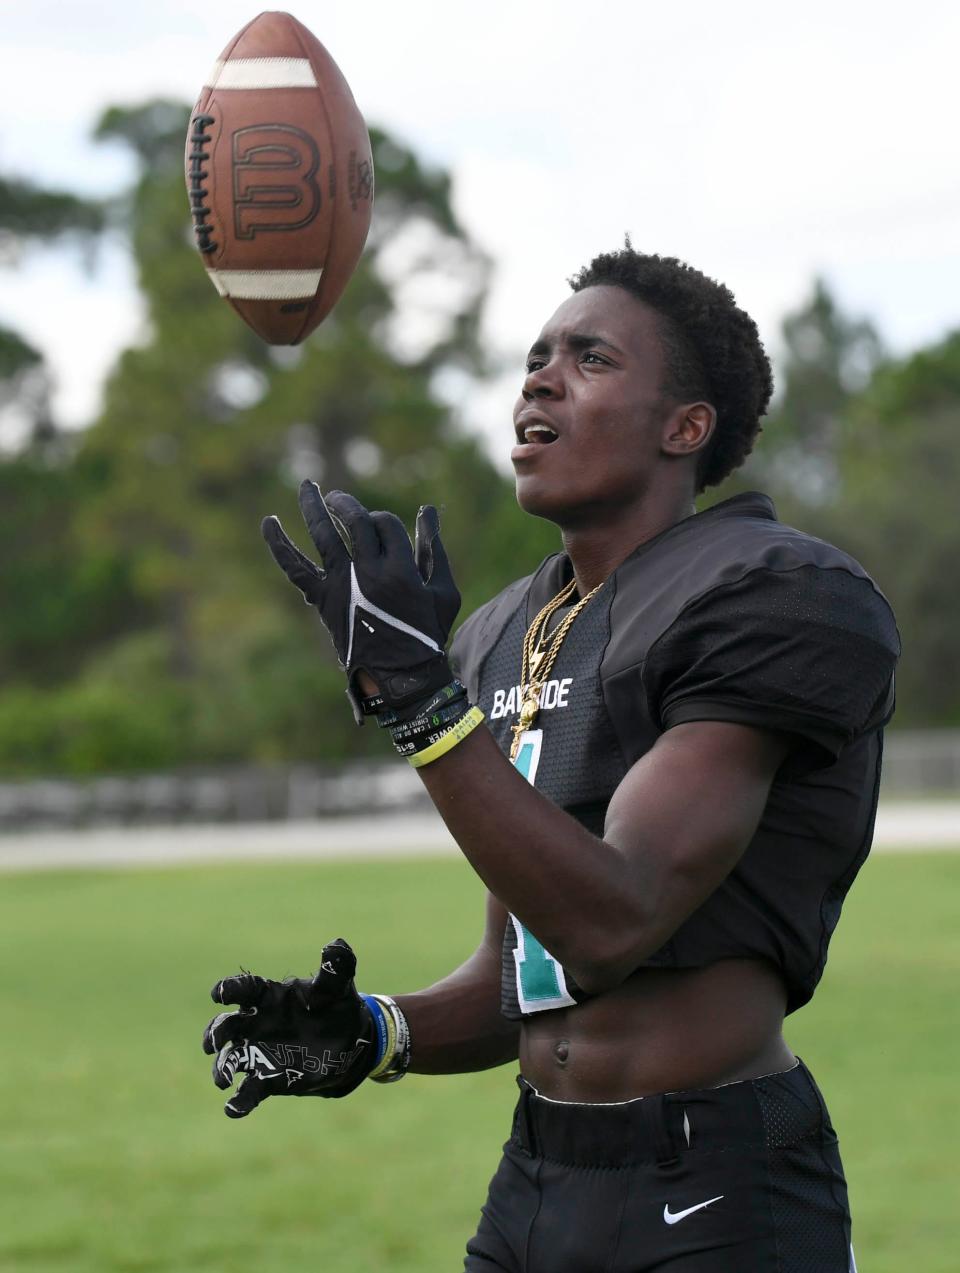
x=864 y=451
x=29 y=214
x=204 y=430
x=828 y=358
x=900 y=473
x=46 y=592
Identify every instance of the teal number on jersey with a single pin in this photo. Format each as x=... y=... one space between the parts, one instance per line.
x=540 y=982
x=539 y=976
x=525 y=758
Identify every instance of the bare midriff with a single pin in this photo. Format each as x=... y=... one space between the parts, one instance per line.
x=661 y=1030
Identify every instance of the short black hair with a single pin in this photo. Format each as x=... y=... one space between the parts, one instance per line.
x=712 y=349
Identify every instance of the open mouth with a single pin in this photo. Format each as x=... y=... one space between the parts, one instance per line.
x=539 y=433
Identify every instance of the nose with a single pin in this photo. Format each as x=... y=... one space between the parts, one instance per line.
x=542 y=382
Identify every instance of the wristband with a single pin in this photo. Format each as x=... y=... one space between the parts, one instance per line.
x=407 y=715
x=443 y=716
x=393 y=1065
x=410 y=743
x=446 y=742
x=380 y=1022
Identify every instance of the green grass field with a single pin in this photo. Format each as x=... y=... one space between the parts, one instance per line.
x=115 y=1156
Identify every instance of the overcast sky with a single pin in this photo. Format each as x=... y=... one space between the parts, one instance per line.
x=761 y=142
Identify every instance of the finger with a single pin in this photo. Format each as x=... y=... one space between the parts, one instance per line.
x=356 y=521
x=434 y=566
x=393 y=534
x=210 y=1033
x=427 y=548
x=230 y=1060
x=226 y=1027
x=297 y=566
x=244 y=988
x=246 y=1098
x=338 y=964
x=323 y=532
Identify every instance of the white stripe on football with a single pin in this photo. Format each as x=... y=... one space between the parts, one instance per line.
x=262 y=72
x=266 y=285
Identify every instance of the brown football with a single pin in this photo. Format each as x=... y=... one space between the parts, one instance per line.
x=280 y=178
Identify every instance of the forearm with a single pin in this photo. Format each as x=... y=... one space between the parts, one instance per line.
x=547 y=869
x=456 y=1025
x=674 y=828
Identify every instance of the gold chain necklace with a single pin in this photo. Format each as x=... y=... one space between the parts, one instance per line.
x=539 y=655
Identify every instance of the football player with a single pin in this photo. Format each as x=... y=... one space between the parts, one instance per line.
x=660 y=752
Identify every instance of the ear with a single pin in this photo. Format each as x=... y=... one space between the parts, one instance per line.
x=688 y=428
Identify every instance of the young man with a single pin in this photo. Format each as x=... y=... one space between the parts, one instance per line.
x=673 y=789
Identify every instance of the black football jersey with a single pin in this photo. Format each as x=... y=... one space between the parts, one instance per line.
x=729 y=616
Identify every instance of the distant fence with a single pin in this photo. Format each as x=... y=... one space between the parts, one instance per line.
x=223 y=795
x=923 y=762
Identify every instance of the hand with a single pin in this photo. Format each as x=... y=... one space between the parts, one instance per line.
x=296 y=1037
x=388 y=607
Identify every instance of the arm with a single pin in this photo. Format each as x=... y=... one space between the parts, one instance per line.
x=687 y=810
x=318 y=1037
x=675 y=827
x=456 y=1025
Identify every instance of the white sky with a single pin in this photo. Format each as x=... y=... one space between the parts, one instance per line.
x=760 y=141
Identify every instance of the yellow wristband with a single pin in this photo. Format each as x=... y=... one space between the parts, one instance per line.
x=464 y=726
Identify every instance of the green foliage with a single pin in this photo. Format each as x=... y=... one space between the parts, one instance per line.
x=28 y=212
x=115 y=1154
x=901 y=472
x=24 y=383
x=58 y=604
x=827 y=359
x=203 y=431
x=16 y=355
x=154 y=131
x=84 y=729
x=864 y=450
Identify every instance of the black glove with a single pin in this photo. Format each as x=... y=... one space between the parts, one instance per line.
x=292 y=1038
x=389 y=607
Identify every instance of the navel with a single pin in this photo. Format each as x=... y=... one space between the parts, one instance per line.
x=561 y=1051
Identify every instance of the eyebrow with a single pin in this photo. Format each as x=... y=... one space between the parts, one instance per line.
x=575 y=341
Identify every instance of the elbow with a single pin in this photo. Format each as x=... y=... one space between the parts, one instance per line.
x=623 y=935
x=596 y=976
x=613 y=931
x=612 y=955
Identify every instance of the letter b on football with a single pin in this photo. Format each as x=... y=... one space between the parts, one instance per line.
x=274 y=185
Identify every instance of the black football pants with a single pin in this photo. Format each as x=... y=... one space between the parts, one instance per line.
x=738 y=1179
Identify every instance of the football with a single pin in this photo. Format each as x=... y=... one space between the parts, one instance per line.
x=280 y=178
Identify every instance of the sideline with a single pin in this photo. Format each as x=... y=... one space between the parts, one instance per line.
x=901 y=827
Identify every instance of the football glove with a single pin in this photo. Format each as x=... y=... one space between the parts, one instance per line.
x=387 y=605
x=297 y=1037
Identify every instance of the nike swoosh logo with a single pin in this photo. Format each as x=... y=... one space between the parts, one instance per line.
x=674 y=1217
